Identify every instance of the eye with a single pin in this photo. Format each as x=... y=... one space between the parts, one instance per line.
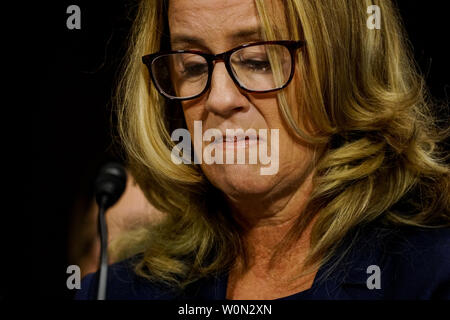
x=256 y=65
x=253 y=59
x=252 y=64
x=189 y=65
x=193 y=69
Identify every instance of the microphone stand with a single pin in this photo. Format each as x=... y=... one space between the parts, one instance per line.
x=109 y=186
x=101 y=294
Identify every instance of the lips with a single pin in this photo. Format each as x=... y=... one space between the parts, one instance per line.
x=237 y=141
x=236 y=138
x=230 y=139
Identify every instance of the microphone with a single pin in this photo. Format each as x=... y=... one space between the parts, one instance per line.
x=109 y=186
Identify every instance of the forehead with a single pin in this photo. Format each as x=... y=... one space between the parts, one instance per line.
x=212 y=19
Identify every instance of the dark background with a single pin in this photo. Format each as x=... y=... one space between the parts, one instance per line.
x=71 y=131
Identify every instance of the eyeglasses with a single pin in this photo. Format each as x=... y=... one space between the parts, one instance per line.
x=257 y=67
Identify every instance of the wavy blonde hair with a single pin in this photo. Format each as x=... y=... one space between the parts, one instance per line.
x=367 y=103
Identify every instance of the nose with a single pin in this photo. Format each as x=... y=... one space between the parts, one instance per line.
x=224 y=98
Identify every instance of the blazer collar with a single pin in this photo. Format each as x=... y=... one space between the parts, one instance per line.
x=347 y=268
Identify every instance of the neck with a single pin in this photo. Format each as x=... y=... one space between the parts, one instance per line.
x=266 y=222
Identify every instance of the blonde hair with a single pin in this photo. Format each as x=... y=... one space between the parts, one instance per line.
x=365 y=101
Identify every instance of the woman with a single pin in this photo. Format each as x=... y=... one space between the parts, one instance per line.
x=357 y=206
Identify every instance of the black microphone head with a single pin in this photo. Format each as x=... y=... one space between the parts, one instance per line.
x=110 y=184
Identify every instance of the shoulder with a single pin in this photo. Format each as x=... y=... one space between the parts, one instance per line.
x=421 y=262
x=124 y=284
x=420 y=248
x=413 y=262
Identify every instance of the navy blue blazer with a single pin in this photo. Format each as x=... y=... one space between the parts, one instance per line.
x=414 y=263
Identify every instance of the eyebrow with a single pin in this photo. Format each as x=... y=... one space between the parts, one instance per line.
x=247 y=33
x=241 y=35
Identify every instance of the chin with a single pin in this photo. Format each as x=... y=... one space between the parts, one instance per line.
x=238 y=181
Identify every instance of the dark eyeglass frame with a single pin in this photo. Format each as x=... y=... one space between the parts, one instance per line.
x=291 y=45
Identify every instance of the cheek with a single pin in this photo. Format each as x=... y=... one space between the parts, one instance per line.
x=302 y=116
x=192 y=112
x=267 y=106
x=295 y=155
